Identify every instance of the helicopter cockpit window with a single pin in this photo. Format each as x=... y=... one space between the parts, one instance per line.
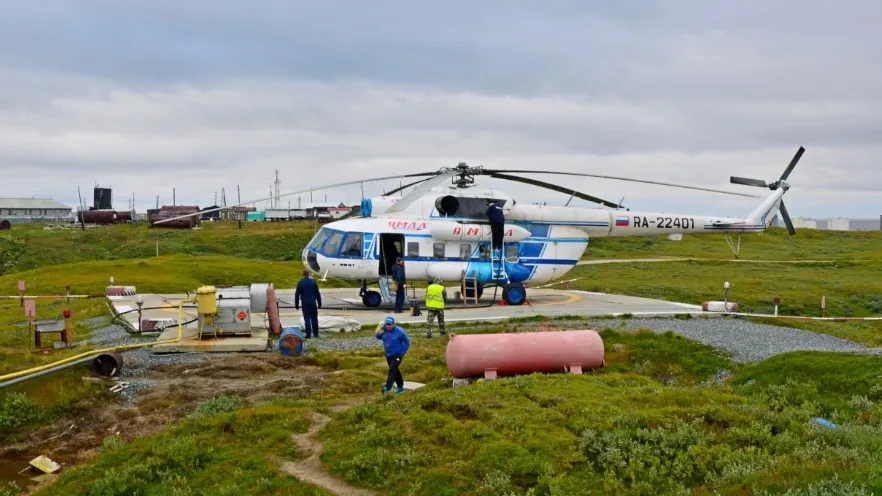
x=352 y=245
x=333 y=244
x=318 y=239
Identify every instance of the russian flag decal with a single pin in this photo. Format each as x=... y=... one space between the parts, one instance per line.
x=621 y=222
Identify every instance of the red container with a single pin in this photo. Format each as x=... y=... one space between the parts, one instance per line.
x=489 y=355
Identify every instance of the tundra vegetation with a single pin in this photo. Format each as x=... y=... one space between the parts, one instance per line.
x=665 y=416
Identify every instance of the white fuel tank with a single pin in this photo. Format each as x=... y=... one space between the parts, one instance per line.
x=448 y=230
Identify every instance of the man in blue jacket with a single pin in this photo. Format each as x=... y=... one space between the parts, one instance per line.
x=396 y=343
x=308 y=295
x=497 y=225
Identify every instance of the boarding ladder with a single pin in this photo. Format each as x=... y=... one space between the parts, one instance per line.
x=468 y=282
x=497 y=266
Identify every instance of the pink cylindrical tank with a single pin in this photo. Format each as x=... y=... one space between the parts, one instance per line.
x=491 y=355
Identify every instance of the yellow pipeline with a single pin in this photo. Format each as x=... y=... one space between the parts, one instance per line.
x=105 y=350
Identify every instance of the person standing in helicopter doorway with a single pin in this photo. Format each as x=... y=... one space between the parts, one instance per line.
x=497 y=225
x=399 y=277
x=435 y=296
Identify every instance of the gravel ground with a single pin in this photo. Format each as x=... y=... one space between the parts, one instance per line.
x=137 y=362
x=746 y=341
x=346 y=344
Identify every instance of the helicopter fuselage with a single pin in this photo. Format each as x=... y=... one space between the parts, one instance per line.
x=446 y=235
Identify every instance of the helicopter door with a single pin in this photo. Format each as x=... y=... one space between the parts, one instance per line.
x=390 y=247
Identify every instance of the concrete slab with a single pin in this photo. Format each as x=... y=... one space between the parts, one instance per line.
x=345 y=302
x=259 y=341
x=410 y=386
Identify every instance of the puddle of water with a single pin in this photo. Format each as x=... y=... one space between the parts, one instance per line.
x=9 y=472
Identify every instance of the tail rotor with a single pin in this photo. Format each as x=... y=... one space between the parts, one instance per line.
x=780 y=183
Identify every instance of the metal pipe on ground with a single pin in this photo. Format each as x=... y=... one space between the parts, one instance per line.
x=89 y=355
x=45 y=372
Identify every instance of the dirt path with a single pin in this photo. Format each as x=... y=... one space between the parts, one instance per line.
x=310 y=469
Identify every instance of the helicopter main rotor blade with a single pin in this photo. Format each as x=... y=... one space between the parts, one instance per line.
x=581 y=174
x=554 y=187
x=327 y=186
x=401 y=188
x=421 y=190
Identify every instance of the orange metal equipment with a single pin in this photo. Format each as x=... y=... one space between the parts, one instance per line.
x=272 y=310
x=492 y=355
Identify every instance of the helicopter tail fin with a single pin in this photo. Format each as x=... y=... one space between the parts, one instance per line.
x=763 y=215
x=774 y=203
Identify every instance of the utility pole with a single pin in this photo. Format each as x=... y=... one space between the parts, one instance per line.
x=278 y=197
x=174 y=198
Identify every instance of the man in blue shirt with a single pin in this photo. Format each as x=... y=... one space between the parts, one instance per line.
x=308 y=295
x=396 y=344
x=399 y=277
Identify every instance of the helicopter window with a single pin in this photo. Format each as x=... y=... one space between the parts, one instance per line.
x=511 y=252
x=465 y=251
x=333 y=244
x=438 y=250
x=413 y=249
x=352 y=245
x=319 y=238
x=484 y=252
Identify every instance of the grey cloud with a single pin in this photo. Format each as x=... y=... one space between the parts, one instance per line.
x=148 y=95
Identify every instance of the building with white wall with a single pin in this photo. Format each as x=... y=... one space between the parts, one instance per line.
x=23 y=210
x=833 y=224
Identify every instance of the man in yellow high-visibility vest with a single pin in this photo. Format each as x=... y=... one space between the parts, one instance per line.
x=435 y=296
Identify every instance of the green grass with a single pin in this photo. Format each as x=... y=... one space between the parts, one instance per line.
x=218 y=450
x=655 y=420
x=36 y=247
x=166 y=274
x=31 y=404
x=660 y=418
x=774 y=244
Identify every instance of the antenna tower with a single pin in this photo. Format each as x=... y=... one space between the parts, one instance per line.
x=278 y=195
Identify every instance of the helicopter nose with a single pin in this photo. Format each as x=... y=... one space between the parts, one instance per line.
x=310 y=260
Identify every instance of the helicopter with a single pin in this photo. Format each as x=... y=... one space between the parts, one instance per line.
x=442 y=231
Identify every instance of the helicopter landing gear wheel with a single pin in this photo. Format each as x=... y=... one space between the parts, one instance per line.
x=514 y=293
x=372 y=299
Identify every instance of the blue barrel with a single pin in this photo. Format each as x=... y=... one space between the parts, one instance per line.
x=291 y=341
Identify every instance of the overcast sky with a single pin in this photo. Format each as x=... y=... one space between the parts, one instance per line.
x=197 y=95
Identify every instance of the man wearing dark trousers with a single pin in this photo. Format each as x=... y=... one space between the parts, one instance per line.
x=497 y=226
x=308 y=295
x=396 y=344
x=399 y=277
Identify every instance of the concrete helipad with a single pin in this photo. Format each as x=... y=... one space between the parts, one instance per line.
x=346 y=303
